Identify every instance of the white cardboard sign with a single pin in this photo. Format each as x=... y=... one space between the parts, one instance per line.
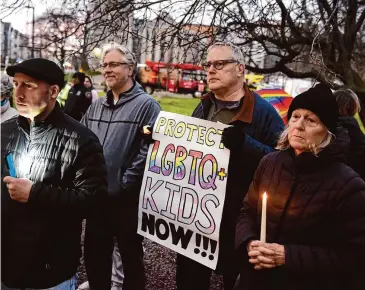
x=184 y=186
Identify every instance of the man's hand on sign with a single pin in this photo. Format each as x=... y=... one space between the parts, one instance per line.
x=19 y=188
x=146 y=133
x=233 y=137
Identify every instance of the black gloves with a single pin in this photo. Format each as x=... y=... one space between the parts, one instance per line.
x=233 y=137
x=146 y=133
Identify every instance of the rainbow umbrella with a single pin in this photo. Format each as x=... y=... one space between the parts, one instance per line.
x=279 y=99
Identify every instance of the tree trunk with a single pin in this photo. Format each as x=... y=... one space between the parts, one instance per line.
x=62 y=58
x=84 y=63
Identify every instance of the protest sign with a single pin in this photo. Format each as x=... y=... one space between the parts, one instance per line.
x=184 y=185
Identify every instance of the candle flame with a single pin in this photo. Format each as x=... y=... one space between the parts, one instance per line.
x=265 y=195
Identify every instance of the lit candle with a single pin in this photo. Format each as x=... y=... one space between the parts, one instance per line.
x=263 y=218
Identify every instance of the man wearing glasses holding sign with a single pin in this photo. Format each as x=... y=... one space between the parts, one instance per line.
x=117 y=120
x=255 y=128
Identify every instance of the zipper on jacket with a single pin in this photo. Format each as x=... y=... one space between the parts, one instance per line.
x=107 y=129
x=201 y=103
x=283 y=216
x=30 y=137
x=30 y=164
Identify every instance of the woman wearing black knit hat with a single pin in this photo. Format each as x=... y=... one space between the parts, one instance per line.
x=315 y=235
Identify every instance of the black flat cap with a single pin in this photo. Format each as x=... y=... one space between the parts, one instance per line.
x=40 y=69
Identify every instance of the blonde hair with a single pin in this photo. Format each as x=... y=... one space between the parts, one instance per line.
x=284 y=144
x=348 y=102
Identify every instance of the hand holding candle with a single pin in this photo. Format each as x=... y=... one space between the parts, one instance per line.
x=266 y=255
x=263 y=218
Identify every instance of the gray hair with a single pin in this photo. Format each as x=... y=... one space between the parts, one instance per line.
x=130 y=57
x=284 y=144
x=6 y=87
x=237 y=54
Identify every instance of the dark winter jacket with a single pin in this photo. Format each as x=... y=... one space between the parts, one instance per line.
x=262 y=126
x=316 y=209
x=40 y=239
x=77 y=102
x=118 y=129
x=356 y=157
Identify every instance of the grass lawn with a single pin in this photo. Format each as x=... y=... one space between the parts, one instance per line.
x=174 y=105
x=179 y=106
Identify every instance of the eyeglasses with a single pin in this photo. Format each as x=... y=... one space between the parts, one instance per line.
x=113 y=64
x=218 y=64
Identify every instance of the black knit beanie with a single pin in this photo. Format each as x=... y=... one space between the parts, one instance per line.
x=321 y=102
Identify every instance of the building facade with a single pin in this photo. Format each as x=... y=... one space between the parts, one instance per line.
x=14 y=45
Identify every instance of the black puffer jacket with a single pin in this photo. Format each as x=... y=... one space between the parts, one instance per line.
x=40 y=239
x=356 y=156
x=316 y=209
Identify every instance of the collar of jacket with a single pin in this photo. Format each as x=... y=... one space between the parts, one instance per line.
x=54 y=118
x=245 y=114
x=336 y=152
x=123 y=97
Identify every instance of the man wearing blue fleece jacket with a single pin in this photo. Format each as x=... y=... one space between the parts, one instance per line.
x=117 y=120
x=255 y=127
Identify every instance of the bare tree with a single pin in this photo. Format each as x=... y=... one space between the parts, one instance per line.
x=53 y=34
x=319 y=39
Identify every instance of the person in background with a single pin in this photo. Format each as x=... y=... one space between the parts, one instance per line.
x=315 y=216
x=117 y=120
x=6 y=89
x=349 y=106
x=91 y=92
x=255 y=128
x=77 y=102
x=57 y=178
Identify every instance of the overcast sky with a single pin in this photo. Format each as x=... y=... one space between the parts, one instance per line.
x=23 y=17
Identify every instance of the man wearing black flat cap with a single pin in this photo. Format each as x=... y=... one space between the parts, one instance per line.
x=53 y=173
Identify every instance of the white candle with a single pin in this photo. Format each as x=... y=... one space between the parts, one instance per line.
x=263 y=218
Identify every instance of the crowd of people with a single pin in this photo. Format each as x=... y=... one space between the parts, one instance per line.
x=86 y=159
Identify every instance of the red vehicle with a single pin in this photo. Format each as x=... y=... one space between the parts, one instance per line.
x=183 y=78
